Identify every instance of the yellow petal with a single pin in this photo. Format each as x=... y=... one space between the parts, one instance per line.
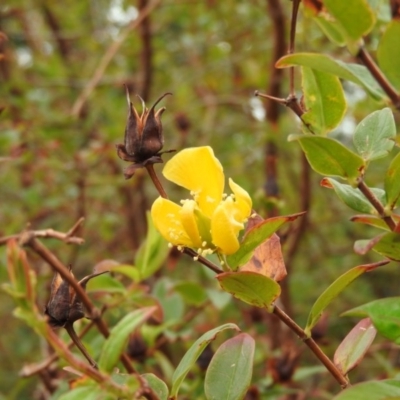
x=189 y=222
x=225 y=229
x=167 y=219
x=198 y=170
x=243 y=201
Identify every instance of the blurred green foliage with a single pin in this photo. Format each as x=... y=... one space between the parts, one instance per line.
x=56 y=167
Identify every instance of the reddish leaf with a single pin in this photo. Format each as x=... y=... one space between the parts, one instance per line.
x=354 y=346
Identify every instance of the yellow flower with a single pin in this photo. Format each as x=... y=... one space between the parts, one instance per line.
x=210 y=221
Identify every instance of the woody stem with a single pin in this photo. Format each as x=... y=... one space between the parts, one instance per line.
x=156 y=181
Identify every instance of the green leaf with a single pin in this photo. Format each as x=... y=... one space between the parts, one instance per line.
x=329 y=157
x=334 y=290
x=321 y=62
x=389 y=52
x=231 y=364
x=22 y=276
x=87 y=392
x=354 y=17
x=389 y=246
x=159 y=387
x=152 y=253
x=354 y=346
x=105 y=283
x=250 y=287
x=193 y=354
x=255 y=236
x=129 y=271
x=374 y=135
x=372 y=390
x=385 y=315
x=331 y=30
x=324 y=100
x=392 y=182
x=353 y=197
x=193 y=293
x=374 y=220
x=116 y=342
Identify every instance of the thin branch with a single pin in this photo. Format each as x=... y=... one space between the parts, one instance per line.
x=67 y=237
x=290 y=102
x=293 y=24
x=365 y=190
x=146 y=54
x=29 y=370
x=330 y=366
x=156 y=181
x=60 y=347
x=376 y=72
x=202 y=260
x=58 y=266
x=277 y=16
x=108 y=56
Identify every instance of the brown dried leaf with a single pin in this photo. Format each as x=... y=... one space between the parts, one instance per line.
x=268 y=260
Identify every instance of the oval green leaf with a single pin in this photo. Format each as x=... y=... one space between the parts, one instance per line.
x=385 y=315
x=159 y=387
x=250 y=287
x=192 y=292
x=229 y=373
x=392 y=182
x=354 y=346
x=389 y=52
x=324 y=100
x=372 y=390
x=334 y=290
x=329 y=157
x=321 y=62
x=389 y=246
x=116 y=342
x=354 y=17
x=255 y=236
x=374 y=135
x=193 y=354
x=353 y=197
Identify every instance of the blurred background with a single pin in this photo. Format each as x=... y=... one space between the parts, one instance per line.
x=63 y=68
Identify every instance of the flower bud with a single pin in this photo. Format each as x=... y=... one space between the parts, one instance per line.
x=143 y=137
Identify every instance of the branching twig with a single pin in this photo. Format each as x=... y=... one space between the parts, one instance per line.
x=67 y=237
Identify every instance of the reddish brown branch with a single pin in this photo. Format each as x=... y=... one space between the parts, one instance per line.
x=292 y=37
x=67 y=237
x=365 y=190
x=330 y=366
x=276 y=13
x=376 y=72
x=147 y=53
